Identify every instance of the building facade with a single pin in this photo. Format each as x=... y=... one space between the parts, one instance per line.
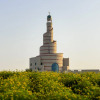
x=49 y=59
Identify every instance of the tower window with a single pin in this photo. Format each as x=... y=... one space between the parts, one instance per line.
x=41 y=63
x=35 y=63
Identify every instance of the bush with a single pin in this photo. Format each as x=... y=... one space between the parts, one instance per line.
x=49 y=86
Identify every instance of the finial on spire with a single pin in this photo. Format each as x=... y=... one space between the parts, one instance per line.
x=49 y=13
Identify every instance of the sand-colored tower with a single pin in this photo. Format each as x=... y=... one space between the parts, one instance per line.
x=49 y=58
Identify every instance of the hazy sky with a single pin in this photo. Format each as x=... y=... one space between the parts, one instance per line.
x=76 y=25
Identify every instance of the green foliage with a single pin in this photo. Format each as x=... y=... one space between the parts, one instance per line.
x=6 y=74
x=28 y=70
x=49 y=86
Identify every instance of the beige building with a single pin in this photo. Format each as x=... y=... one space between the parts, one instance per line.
x=49 y=59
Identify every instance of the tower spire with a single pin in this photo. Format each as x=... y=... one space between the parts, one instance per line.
x=49 y=13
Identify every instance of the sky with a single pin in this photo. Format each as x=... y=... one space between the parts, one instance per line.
x=76 y=25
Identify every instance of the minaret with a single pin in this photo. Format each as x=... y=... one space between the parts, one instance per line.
x=49 y=59
x=49 y=45
x=49 y=33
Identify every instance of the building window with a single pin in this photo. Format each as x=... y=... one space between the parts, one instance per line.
x=41 y=63
x=30 y=64
x=35 y=63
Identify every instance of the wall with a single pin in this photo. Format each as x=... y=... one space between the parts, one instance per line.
x=35 y=64
x=49 y=59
